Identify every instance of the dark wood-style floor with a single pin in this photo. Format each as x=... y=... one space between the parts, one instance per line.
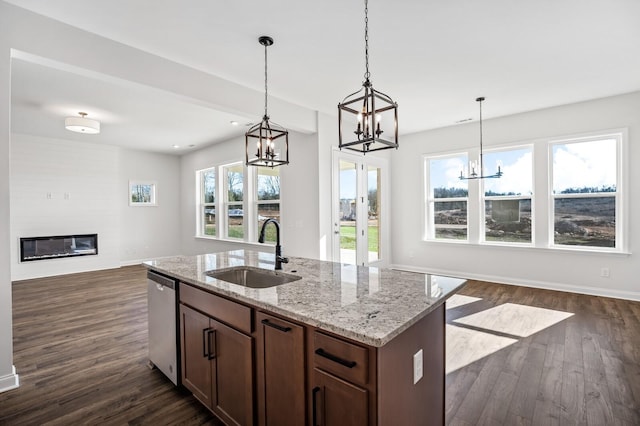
x=516 y=356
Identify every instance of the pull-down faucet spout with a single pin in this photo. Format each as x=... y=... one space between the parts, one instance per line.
x=279 y=259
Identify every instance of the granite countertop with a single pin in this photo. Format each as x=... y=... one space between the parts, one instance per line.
x=366 y=304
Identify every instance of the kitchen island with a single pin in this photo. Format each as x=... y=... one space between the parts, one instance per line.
x=340 y=345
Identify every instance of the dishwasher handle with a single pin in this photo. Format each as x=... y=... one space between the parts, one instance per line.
x=161 y=280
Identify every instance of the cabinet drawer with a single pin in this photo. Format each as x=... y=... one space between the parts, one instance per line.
x=344 y=359
x=232 y=313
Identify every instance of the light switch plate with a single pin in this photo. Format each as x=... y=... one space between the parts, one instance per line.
x=417 y=366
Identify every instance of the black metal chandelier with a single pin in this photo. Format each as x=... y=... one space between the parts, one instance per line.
x=266 y=143
x=366 y=112
x=476 y=172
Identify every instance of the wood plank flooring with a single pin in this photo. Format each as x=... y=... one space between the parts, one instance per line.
x=517 y=356
x=80 y=349
x=522 y=356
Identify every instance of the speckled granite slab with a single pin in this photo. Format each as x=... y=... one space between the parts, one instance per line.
x=365 y=304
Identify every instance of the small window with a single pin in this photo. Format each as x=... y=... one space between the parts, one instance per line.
x=142 y=193
x=447 y=199
x=585 y=192
x=507 y=200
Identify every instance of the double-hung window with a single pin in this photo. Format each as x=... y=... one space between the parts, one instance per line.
x=507 y=200
x=447 y=198
x=585 y=196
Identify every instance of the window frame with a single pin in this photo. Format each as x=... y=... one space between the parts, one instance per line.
x=531 y=197
x=429 y=231
x=620 y=137
x=542 y=197
x=249 y=203
x=257 y=201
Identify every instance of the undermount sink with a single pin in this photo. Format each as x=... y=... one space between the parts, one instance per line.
x=253 y=277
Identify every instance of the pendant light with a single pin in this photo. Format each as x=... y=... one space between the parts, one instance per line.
x=364 y=114
x=474 y=171
x=82 y=124
x=266 y=143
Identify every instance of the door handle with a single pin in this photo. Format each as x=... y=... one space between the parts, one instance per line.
x=212 y=333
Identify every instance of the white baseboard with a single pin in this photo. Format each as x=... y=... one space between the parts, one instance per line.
x=131 y=262
x=10 y=381
x=592 y=291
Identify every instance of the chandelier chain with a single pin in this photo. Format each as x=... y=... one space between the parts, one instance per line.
x=265 y=80
x=366 y=39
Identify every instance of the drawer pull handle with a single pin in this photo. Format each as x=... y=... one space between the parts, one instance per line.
x=276 y=326
x=348 y=364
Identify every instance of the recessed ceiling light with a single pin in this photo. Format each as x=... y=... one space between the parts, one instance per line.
x=175 y=146
x=234 y=123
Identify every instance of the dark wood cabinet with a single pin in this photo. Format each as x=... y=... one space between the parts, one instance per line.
x=336 y=402
x=280 y=372
x=217 y=365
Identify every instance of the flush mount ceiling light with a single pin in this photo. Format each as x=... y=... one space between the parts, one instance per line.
x=270 y=140
x=365 y=112
x=82 y=124
x=474 y=171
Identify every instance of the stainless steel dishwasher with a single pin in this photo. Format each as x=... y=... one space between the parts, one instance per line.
x=161 y=297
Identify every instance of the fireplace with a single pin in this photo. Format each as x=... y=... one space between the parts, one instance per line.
x=40 y=248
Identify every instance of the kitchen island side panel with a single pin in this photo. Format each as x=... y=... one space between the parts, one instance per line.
x=400 y=401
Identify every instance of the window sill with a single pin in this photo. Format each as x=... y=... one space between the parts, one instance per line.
x=528 y=247
x=229 y=240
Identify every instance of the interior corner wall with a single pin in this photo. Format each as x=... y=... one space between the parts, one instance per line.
x=327 y=139
x=147 y=232
x=299 y=203
x=536 y=267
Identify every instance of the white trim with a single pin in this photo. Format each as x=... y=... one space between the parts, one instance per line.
x=547 y=285
x=10 y=381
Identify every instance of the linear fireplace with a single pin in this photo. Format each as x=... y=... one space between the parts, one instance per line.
x=40 y=248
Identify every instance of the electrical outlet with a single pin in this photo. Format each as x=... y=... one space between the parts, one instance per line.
x=604 y=272
x=417 y=366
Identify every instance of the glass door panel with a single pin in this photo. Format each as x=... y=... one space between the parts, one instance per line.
x=348 y=211
x=373 y=213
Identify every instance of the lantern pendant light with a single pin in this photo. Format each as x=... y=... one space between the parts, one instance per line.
x=474 y=171
x=364 y=114
x=266 y=143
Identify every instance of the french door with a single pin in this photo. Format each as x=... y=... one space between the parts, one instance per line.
x=360 y=218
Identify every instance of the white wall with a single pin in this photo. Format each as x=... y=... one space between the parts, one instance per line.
x=154 y=231
x=299 y=201
x=88 y=185
x=537 y=267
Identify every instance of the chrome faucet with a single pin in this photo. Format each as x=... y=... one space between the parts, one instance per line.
x=279 y=258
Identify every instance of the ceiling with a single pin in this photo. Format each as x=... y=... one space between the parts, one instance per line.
x=433 y=57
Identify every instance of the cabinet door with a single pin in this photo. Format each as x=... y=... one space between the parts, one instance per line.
x=232 y=354
x=196 y=366
x=281 y=396
x=338 y=403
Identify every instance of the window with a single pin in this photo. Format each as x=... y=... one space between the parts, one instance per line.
x=585 y=192
x=507 y=201
x=208 y=205
x=447 y=198
x=574 y=201
x=234 y=198
x=250 y=196
x=142 y=193
x=268 y=199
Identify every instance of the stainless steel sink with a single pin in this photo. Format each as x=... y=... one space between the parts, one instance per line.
x=253 y=277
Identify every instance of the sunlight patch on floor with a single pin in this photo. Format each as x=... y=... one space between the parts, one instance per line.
x=514 y=319
x=466 y=346
x=459 y=300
